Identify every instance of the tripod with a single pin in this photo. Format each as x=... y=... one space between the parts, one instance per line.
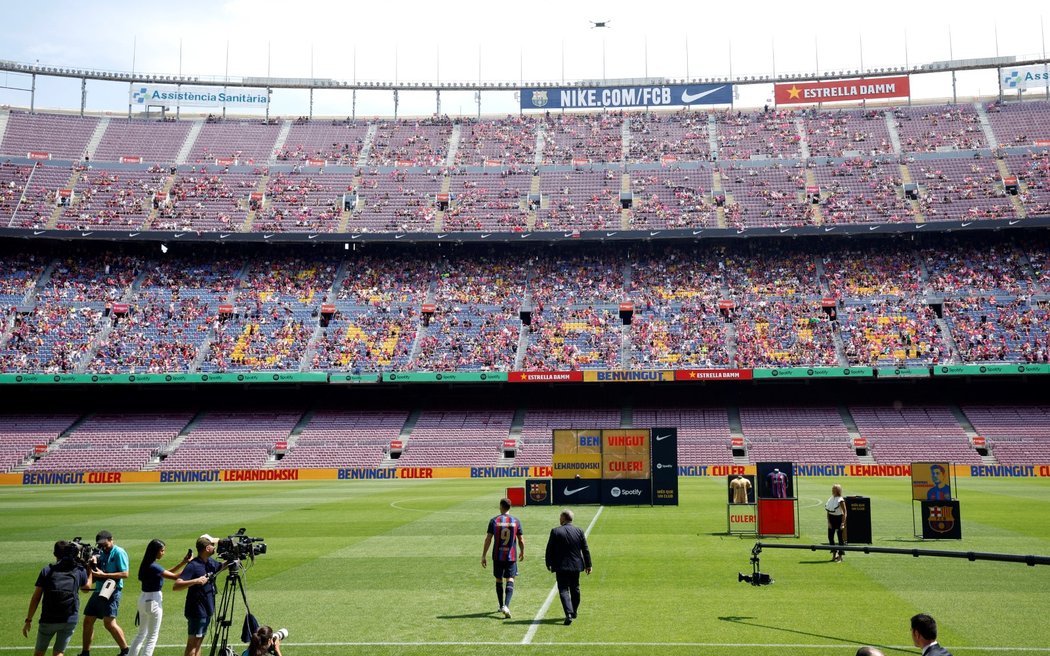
x=224 y=611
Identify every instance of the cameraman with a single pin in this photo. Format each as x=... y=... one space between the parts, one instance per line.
x=265 y=641
x=110 y=565
x=59 y=587
x=198 y=580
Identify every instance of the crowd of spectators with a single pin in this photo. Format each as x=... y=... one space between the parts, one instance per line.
x=366 y=341
x=929 y=129
x=962 y=189
x=891 y=332
x=995 y=268
x=765 y=134
x=574 y=339
x=861 y=190
x=990 y=329
x=872 y=272
x=572 y=138
x=833 y=134
x=419 y=142
x=509 y=141
x=780 y=333
x=683 y=135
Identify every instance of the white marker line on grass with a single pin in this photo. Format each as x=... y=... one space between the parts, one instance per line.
x=554 y=592
x=718 y=645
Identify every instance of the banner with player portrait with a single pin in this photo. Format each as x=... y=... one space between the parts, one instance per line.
x=931 y=481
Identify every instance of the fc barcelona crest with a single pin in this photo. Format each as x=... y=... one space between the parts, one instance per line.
x=538 y=491
x=942 y=518
x=539 y=98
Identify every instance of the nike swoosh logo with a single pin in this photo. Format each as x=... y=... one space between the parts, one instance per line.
x=311 y=236
x=967 y=223
x=398 y=236
x=653 y=234
x=569 y=493
x=85 y=234
x=267 y=236
x=354 y=236
x=783 y=230
x=179 y=234
x=526 y=236
x=442 y=236
x=223 y=236
x=1015 y=222
x=486 y=235
x=133 y=234
x=609 y=234
x=921 y=225
x=660 y=438
x=829 y=229
x=873 y=228
x=690 y=97
x=39 y=232
x=697 y=232
x=568 y=234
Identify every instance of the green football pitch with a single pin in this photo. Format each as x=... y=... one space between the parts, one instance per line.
x=393 y=567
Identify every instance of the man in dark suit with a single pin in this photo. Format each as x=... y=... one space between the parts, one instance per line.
x=924 y=635
x=567 y=556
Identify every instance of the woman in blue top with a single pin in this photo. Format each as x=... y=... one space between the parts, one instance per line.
x=152 y=575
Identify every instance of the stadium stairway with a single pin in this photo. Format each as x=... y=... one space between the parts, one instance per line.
x=59 y=209
x=523 y=346
x=344 y=216
x=169 y=183
x=5 y=115
x=403 y=436
x=439 y=216
x=453 y=150
x=541 y=140
x=854 y=433
x=891 y=127
x=54 y=445
x=625 y=143
x=191 y=140
x=907 y=179
x=1004 y=172
x=986 y=126
x=949 y=339
x=736 y=430
x=96 y=138
x=366 y=149
x=202 y=351
x=260 y=188
x=530 y=218
x=627 y=417
x=971 y=433
x=720 y=212
x=333 y=292
x=712 y=139
x=803 y=146
x=811 y=180
x=170 y=447
x=282 y=138
x=292 y=438
x=625 y=187
x=92 y=348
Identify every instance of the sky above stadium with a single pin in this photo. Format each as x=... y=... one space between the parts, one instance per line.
x=535 y=40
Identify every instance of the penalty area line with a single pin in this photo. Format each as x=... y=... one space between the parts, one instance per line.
x=535 y=626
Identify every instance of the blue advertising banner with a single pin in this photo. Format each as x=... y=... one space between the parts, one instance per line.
x=668 y=95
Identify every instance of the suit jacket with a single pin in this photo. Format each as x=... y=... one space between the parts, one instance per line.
x=936 y=650
x=567 y=550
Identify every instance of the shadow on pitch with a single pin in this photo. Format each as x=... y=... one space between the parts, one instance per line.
x=471 y=616
x=744 y=620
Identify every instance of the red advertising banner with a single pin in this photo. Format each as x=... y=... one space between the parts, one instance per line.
x=37 y=154
x=396 y=444
x=327 y=308
x=493 y=162
x=225 y=161
x=316 y=162
x=225 y=308
x=788 y=93
x=509 y=444
x=429 y=308
x=282 y=445
x=736 y=441
x=65 y=193
x=1042 y=142
x=545 y=377
x=712 y=374
x=726 y=305
x=860 y=442
x=131 y=159
x=120 y=308
x=627 y=306
x=979 y=441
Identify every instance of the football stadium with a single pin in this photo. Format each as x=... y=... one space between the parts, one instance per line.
x=316 y=326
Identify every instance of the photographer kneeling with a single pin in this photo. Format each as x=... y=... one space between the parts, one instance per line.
x=265 y=641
